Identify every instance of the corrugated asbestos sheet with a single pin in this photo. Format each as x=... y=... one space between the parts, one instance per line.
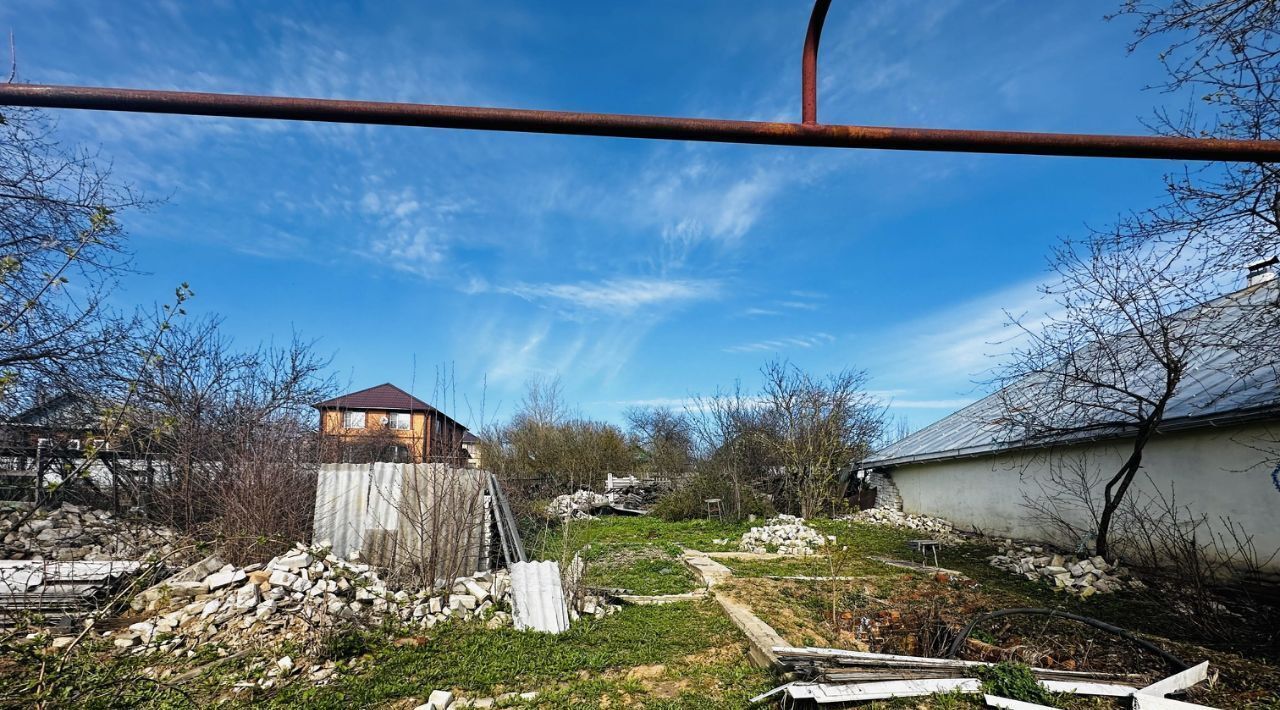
x=405 y=516
x=382 y=519
x=537 y=597
x=69 y=587
x=1213 y=389
x=342 y=501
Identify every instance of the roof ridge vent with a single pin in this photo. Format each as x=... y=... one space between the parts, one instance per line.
x=1261 y=271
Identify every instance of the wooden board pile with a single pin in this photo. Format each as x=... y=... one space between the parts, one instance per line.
x=839 y=676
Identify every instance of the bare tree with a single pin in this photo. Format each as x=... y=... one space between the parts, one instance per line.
x=665 y=437
x=61 y=251
x=1226 y=53
x=544 y=445
x=731 y=444
x=818 y=426
x=232 y=431
x=1124 y=338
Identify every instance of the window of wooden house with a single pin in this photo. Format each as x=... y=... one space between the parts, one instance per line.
x=398 y=420
x=353 y=420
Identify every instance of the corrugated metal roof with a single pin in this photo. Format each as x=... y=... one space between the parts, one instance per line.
x=537 y=597
x=1213 y=391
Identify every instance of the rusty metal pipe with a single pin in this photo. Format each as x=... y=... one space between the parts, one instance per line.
x=809 y=63
x=631 y=126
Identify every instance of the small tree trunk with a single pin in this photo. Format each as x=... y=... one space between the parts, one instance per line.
x=1111 y=502
x=1113 y=494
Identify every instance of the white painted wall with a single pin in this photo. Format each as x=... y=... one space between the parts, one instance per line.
x=1221 y=472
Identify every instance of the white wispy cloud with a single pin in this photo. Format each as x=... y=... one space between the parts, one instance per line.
x=617 y=296
x=798 y=300
x=406 y=228
x=776 y=344
x=517 y=349
x=942 y=360
x=695 y=198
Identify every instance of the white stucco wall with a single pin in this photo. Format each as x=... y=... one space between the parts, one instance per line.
x=1220 y=472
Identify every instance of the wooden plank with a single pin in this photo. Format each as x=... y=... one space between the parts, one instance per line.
x=1142 y=701
x=846 y=661
x=867 y=657
x=1178 y=681
x=825 y=693
x=996 y=701
x=1086 y=688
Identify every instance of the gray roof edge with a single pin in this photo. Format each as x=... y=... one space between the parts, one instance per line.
x=1202 y=421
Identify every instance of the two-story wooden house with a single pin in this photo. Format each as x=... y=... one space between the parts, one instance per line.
x=385 y=423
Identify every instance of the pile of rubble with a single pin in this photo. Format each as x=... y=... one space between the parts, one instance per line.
x=785 y=534
x=1083 y=577
x=634 y=494
x=935 y=528
x=72 y=532
x=577 y=506
x=295 y=594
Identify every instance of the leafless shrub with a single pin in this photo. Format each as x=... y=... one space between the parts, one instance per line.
x=817 y=427
x=734 y=461
x=665 y=438
x=1202 y=558
x=266 y=499
x=441 y=533
x=228 y=434
x=1066 y=506
x=545 y=450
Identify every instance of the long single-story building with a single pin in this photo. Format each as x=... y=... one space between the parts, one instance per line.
x=1216 y=456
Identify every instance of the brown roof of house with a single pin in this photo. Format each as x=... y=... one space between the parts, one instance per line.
x=384 y=396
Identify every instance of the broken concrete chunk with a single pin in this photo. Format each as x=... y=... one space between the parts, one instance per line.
x=439 y=700
x=292 y=563
x=224 y=578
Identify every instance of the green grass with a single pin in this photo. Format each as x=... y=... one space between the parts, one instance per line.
x=619 y=569
x=639 y=554
x=864 y=539
x=479 y=662
x=645 y=529
x=812 y=566
x=691 y=654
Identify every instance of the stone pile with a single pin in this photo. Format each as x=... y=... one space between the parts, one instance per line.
x=577 y=506
x=887 y=495
x=785 y=534
x=287 y=597
x=295 y=594
x=1082 y=577
x=934 y=528
x=73 y=533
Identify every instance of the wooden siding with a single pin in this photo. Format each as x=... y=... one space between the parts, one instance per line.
x=419 y=440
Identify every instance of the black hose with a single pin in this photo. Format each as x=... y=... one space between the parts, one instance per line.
x=1177 y=663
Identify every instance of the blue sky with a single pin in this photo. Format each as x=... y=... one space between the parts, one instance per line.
x=640 y=272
